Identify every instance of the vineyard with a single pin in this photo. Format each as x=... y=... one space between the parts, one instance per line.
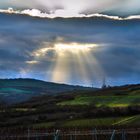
x=95 y=134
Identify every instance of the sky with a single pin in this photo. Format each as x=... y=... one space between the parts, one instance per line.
x=66 y=8
x=100 y=41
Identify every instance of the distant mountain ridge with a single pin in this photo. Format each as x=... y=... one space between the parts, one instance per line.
x=18 y=90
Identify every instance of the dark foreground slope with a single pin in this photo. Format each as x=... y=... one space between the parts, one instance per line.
x=19 y=90
x=116 y=106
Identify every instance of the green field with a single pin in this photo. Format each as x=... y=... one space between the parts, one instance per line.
x=110 y=121
x=109 y=101
x=115 y=106
x=103 y=122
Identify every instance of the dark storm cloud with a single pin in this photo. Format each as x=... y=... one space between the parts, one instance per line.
x=117 y=52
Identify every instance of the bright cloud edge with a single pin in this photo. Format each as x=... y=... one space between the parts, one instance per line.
x=40 y=14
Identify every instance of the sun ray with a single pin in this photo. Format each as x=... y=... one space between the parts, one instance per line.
x=75 y=55
x=72 y=61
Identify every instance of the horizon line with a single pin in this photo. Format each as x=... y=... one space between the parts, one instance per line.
x=129 y=84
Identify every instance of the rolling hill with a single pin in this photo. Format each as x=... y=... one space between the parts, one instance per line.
x=19 y=90
x=113 y=106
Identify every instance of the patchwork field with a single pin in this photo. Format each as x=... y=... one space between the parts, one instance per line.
x=108 y=101
x=113 y=106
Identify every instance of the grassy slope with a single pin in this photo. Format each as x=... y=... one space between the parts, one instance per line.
x=122 y=98
x=77 y=109
x=18 y=90
x=109 y=101
x=110 y=121
x=129 y=120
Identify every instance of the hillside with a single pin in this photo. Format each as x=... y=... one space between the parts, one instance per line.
x=111 y=97
x=115 y=106
x=19 y=90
